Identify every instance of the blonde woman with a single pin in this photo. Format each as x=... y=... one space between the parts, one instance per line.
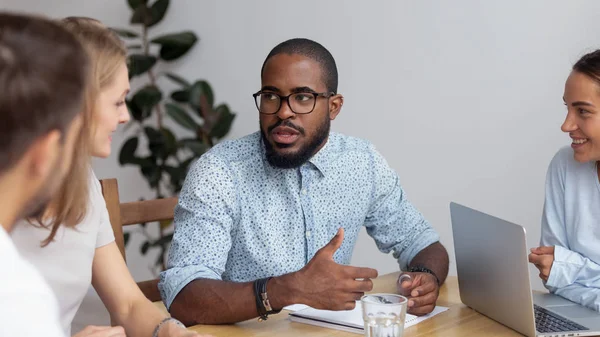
x=75 y=245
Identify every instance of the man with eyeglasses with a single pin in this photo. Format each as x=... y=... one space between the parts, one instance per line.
x=271 y=219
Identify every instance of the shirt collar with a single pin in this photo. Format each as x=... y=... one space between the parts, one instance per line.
x=323 y=158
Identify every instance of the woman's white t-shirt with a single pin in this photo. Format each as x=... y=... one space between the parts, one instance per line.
x=66 y=263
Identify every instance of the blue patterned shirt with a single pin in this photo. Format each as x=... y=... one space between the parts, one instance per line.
x=240 y=219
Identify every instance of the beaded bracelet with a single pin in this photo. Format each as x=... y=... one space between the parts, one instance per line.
x=168 y=319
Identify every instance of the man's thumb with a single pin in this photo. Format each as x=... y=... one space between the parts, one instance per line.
x=336 y=242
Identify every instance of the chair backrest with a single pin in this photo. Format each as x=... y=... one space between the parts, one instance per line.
x=131 y=213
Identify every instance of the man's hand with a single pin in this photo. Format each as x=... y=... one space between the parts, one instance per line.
x=101 y=331
x=324 y=284
x=422 y=291
x=543 y=258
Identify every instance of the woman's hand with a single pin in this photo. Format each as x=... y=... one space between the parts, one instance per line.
x=543 y=258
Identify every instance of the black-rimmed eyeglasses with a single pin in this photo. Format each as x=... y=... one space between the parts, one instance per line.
x=269 y=103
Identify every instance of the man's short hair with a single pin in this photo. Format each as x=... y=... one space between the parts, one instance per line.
x=314 y=51
x=43 y=75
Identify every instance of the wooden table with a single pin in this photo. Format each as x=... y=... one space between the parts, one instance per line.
x=459 y=320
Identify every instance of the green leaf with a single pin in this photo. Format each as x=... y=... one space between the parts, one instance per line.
x=180 y=116
x=181 y=96
x=180 y=174
x=127 y=154
x=151 y=171
x=126 y=236
x=146 y=99
x=156 y=142
x=178 y=79
x=160 y=258
x=195 y=145
x=170 y=140
x=224 y=121
x=136 y=112
x=153 y=134
x=175 y=45
x=139 y=64
x=146 y=162
x=133 y=4
x=145 y=247
x=158 y=11
x=199 y=89
x=163 y=241
x=183 y=38
x=141 y=15
x=175 y=174
x=161 y=143
x=124 y=33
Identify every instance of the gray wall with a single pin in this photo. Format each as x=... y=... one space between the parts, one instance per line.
x=463 y=98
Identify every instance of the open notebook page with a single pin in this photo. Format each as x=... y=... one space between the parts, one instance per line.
x=350 y=320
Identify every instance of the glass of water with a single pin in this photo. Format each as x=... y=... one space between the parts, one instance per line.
x=384 y=314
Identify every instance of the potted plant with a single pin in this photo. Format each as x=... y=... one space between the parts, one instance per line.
x=191 y=105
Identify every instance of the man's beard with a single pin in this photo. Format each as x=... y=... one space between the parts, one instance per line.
x=301 y=156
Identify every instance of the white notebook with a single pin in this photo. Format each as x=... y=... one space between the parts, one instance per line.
x=350 y=320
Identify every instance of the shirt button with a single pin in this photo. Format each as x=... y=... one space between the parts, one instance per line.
x=308 y=234
x=304 y=191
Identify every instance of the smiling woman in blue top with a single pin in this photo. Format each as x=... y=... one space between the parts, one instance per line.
x=276 y=214
x=569 y=255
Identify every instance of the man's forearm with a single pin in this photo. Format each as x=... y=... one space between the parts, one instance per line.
x=434 y=257
x=205 y=301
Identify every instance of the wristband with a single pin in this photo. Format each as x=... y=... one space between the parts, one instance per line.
x=423 y=269
x=164 y=321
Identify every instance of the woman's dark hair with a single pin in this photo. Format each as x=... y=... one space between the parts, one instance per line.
x=589 y=64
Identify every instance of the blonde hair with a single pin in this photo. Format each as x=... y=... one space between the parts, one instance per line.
x=107 y=53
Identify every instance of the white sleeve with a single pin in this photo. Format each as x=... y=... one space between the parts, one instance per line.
x=570 y=267
x=27 y=305
x=29 y=314
x=105 y=231
x=586 y=296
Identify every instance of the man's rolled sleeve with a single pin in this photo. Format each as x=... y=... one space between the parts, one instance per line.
x=204 y=218
x=173 y=280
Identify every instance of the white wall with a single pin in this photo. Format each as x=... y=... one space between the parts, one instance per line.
x=463 y=98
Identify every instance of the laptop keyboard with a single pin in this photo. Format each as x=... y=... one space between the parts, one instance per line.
x=547 y=321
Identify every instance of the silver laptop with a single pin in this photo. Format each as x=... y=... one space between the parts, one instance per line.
x=493 y=278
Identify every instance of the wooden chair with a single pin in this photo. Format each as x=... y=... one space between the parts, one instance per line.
x=131 y=213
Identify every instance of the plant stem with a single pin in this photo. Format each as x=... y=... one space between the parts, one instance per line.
x=159 y=116
x=152 y=77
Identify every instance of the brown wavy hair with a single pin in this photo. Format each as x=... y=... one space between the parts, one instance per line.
x=107 y=53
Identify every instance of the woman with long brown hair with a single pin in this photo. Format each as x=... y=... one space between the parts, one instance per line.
x=75 y=243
